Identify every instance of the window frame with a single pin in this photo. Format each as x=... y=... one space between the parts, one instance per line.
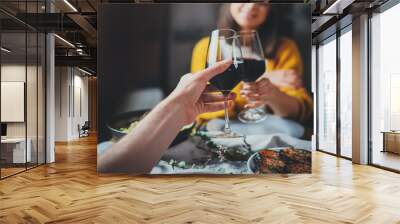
x=25 y=30
x=333 y=37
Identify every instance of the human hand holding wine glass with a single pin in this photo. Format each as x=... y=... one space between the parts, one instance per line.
x=285 y=78
x=259 y=93
x=224 y=44
x=254 y=67
x=196 y=96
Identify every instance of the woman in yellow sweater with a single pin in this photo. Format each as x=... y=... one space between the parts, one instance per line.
x=280 y=88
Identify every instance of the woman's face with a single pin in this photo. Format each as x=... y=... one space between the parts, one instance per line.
x=249 y=15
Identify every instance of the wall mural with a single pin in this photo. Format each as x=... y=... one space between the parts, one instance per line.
x=254 y=117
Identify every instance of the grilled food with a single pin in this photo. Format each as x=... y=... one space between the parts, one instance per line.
x=287 y=160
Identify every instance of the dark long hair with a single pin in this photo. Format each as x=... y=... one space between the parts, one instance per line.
x=268 y=31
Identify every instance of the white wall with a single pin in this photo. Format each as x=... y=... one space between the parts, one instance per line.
x=16 y=73
x=12 y=73
x=61 y=103
x=80 y=112
x=33 y=127
x=71 y=93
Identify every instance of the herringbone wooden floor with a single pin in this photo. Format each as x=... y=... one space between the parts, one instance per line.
x=70 y=191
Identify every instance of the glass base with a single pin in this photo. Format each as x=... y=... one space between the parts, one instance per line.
x=221 y=134
x=252 y=115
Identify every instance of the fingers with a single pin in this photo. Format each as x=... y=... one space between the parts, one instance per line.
x=254 y=104
x=215 y=101
x=212 y=107
x=250 y=92
x=211 y=89
x=216 y=97
x=251 y=96
x=284 y=78
x=263 y=83
x=290 y=73
x=292 y=79
x=257 y=87
x=259 y=95
x=218 y=68
x=249 y=86
x=297 y=83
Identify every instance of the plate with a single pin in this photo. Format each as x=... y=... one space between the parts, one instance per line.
x=123 y=120
x=280 y=161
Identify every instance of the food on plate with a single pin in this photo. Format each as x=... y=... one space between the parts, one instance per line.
x=296 y=155
x=270 y=154
x=286 y=160
x=270 y=165
x=130 y=127
x=299 y=168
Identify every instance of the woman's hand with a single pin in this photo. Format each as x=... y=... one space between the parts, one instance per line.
x=284 y=78
x=194 y=95
x=141 y=149
x=258 y=93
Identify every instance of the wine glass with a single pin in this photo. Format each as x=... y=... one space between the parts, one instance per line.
x=224 y=44
x=254 y=67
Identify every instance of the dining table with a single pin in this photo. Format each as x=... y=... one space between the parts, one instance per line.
x=202 y=154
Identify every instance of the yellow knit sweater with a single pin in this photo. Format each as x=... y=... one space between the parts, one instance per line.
x=287 y=58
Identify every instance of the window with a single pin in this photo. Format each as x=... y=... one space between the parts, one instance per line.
x=22 y=101
x=327 y=96
x=385 y=88
x=346 y=93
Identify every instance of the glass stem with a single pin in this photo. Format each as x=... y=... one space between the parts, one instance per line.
x=253 y=110
x=250 y=110
x=227 y=128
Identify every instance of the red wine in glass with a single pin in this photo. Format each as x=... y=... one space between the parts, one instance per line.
x=224 y=44
x=253 y=69
x=228 y=79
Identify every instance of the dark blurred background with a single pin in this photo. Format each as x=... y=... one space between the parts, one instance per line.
x=143 y=49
